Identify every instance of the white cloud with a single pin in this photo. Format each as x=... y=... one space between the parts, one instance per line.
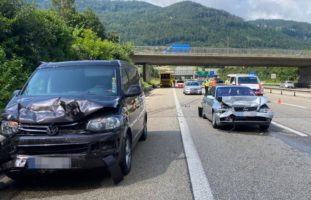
x=298 y=10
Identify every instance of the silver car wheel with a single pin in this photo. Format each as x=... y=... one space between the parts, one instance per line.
x=203 y=113
x=214 y=120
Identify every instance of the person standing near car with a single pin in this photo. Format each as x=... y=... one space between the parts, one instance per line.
x=227 y=82
x=214 y=82
x=206 y=85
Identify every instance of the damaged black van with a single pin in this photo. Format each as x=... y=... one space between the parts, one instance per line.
x=75 y=115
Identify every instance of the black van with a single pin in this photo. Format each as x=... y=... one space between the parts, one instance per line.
x=75 y=115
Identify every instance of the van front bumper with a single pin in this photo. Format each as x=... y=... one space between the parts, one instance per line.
x=72 y=151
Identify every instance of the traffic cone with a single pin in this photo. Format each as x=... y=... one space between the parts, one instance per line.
x=279 y=101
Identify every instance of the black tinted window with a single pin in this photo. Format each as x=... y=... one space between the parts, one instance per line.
x=165 y=76
x=125 y=80
x=133 y=75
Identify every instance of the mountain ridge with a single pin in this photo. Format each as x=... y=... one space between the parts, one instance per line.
x=143 y=23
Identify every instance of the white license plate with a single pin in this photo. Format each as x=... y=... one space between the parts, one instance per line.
x=48 y=163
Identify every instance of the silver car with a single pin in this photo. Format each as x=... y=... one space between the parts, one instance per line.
x=288 y=84
x=235 y=105
x=192 y=87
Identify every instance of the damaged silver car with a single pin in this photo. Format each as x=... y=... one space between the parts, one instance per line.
x=75 y=115
x=235 y=105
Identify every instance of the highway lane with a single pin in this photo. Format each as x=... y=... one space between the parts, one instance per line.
x=159 y=168
x=248 y=164
x=294 y=112
x=239 y=164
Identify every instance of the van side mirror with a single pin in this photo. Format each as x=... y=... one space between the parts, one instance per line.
x=219 y=99
x=15 y=93
x=134 y=90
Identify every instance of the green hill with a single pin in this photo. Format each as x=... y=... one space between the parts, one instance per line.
x=300 y=30
x=187 y=22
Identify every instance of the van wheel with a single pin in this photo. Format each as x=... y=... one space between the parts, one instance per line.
x=144 y=135
x=126 y=161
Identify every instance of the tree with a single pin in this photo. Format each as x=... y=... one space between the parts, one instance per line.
x=91 y=21
x=39 y=36
x=9 y=8
x=87 y=45
x=64 y=6
x=13 y=75
x=88 y=19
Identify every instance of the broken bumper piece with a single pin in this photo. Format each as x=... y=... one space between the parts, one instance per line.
x=244 y=118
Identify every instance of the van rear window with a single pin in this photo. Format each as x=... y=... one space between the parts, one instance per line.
x=248 y=80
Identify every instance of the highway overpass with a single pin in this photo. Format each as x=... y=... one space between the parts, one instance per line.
x=227 y=57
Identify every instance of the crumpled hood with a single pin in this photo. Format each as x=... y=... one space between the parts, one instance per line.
x=247 y=101
x=43 y=110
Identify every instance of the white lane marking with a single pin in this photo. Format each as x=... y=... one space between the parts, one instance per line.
x=288 y=104
x=200 y=186
x=289 y=129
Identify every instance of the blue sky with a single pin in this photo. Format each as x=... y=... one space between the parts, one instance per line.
x=298 y=10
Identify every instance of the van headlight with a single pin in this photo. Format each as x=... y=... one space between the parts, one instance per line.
x=104 y=124
x=9 y=127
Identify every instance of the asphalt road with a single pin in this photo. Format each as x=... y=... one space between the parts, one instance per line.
x=239 y=164
x=248 y=164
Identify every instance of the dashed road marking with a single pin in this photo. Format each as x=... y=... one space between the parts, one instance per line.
x=289 y=129
x=200 y=187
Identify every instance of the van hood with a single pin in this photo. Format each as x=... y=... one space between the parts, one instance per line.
x=43 y=110
x=248 y=101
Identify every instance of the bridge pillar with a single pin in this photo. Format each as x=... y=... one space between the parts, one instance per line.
x=304 y=77
x=145 y=72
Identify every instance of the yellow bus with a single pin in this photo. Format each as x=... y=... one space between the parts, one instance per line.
x=166 y=79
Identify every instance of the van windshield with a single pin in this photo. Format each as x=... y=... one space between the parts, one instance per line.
x=248 y=80
x=73 y=80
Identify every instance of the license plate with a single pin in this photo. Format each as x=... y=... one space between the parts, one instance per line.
x=48 y=163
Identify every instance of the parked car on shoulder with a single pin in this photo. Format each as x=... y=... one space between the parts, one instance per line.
x=288 y=84
x=235 y=105
x=192 y=87
x=75 y=115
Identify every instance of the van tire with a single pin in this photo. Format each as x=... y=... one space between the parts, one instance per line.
x=126 y=161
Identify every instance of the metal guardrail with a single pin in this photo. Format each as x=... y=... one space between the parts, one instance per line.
x=288 y=92
x=203 y=51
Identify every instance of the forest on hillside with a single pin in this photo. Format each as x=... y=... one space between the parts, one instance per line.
x=30 y=35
